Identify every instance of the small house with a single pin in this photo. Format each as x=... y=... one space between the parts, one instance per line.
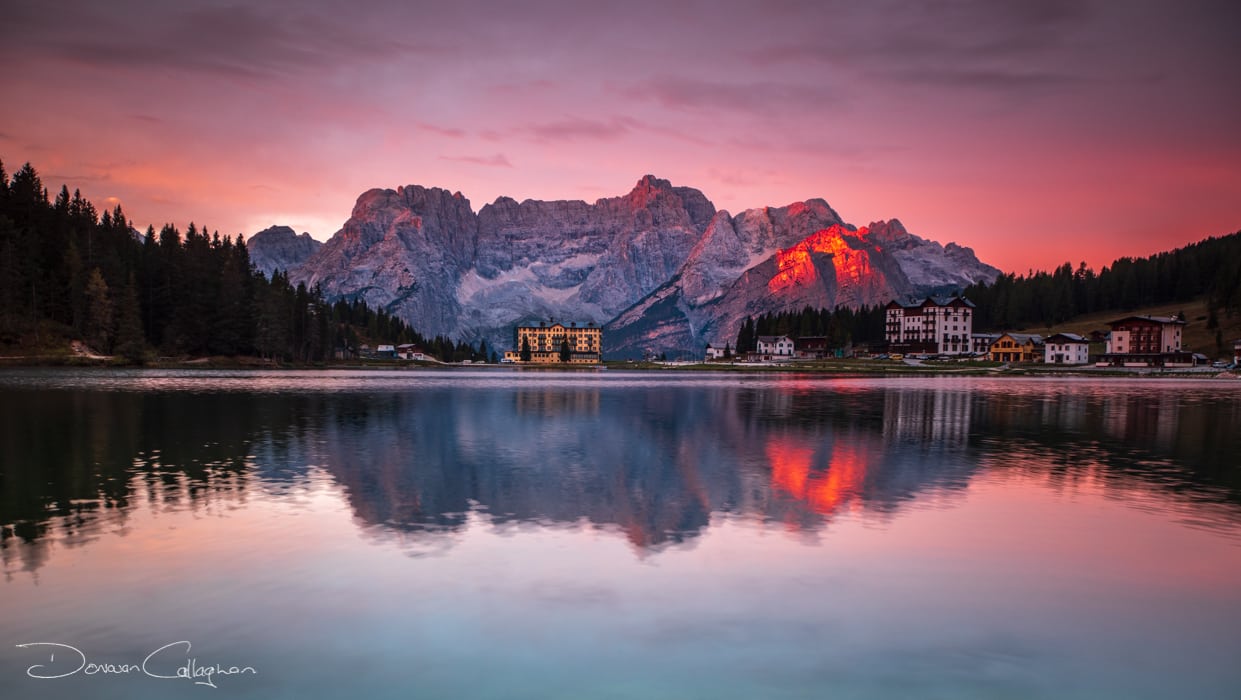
x=775 y=345
x=1017 y=347
x=811 y=348
x=1066 y=349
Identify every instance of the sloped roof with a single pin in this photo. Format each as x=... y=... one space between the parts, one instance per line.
x=931 y=301
x=1152 y=319
x=1023 y=338
x=1067 y=338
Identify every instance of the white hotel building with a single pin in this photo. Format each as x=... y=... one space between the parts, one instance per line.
x=936 y=325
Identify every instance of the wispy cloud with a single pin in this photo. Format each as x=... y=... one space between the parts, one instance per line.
x=62 y=178
x=238 y=41
x=983 y=45
x=579 y=129
x=497 y=161
x=712 y=96
x=441 y=130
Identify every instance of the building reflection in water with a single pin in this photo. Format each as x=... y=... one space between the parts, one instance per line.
x=557 y=401
x=656 y=464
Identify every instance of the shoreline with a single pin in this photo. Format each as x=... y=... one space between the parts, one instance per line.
x=832 y=368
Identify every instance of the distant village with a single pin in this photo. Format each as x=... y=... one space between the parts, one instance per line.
x=942 y=328
x=933 y=328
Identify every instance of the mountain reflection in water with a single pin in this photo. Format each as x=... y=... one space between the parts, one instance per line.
x=653 y=462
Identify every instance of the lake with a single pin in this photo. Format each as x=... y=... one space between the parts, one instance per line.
x=504 y=534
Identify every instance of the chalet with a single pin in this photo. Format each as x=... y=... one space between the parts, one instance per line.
x=385 y=351
x=811 y=348
x=547 y=341
x=1146 y=341
x=935 y=325
x=1067 y=349
x=1017 y=347
x=714 y=353
x=775 y=345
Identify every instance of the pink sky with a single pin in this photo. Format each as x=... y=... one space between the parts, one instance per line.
x=1036 y=133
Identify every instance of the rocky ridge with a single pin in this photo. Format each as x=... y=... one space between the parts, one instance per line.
x=659 y=266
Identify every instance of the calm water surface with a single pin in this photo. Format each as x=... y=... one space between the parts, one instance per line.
x=615 y=535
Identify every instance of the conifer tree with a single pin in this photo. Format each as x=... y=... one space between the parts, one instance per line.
x=99 y=313
x=129 y=339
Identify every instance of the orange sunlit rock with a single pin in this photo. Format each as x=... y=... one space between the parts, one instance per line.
x=825 y=492
x=790 y=466
x=851 y=263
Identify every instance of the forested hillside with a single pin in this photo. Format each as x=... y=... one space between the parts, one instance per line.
x=1210 y=268
x=67 y=271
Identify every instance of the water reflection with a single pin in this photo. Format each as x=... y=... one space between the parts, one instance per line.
x=654 y=462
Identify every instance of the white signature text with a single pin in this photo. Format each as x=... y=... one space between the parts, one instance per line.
x=164 y=663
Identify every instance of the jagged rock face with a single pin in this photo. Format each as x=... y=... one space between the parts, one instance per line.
x=279 y=248
x=929 y=265
x=577 y=260
x=661 y=264
x=423 y=254
x=404 y=250
x=731 y=246
x=834 y=266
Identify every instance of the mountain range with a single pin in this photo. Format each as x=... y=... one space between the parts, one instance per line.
x=659 y=268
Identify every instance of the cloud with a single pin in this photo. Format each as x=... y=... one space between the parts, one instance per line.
x=983 y=45
x=75 y=178
x=441 y=130
x=496 y=161
x=712 y=96
x=579 y=129
x=237 y=42
x=746 y=177
x=989 y=79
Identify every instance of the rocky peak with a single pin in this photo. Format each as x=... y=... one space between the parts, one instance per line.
x=280 y=248
x=929 y=265
x=649 y=185
x=652 y=193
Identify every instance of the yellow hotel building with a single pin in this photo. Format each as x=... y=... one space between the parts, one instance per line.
x=546 y=340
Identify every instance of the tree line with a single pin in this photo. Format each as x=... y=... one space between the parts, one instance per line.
x=67 y=270
x=1210 y=268
x=840 y=326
